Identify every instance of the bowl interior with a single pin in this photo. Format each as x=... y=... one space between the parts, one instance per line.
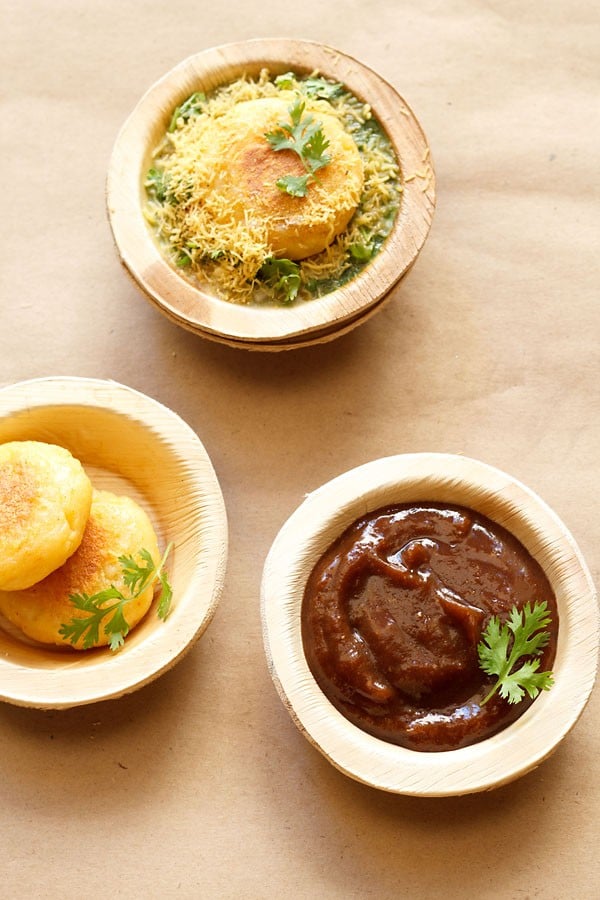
x=197 y=309
x=454 y=480
x=132 y=445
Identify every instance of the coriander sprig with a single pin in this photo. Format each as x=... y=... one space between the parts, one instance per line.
x=283 y=276
x=306 y=138
x=191 y=107
x=527 y=628
x=313 y=86
x=137 y=576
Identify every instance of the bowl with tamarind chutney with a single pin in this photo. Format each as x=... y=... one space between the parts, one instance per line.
x=430 y=624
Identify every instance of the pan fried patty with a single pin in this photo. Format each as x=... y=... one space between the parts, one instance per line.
x=297 y=227
x=117 y=526
x=45 y=498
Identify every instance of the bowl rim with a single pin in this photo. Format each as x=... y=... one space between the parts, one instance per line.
x=322 y=516
x=200 y=311
x=111 y=676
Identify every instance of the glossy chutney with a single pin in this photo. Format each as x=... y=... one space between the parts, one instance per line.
x=392 y=614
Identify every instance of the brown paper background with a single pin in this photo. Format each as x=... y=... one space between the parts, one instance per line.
x=199 y=785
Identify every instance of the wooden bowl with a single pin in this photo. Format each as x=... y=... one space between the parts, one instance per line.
x=321 y=337
x=323 y=516
x=200 y=311
x=130 y=444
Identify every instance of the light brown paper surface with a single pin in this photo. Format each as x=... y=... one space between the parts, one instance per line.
x=199 y=785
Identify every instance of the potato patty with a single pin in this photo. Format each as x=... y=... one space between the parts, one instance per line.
x=297 y=227
x=117 y=526
x=45 y=498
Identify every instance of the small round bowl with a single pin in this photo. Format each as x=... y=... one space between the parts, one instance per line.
x=129 y=444
x=323 y=516
x=267 y=328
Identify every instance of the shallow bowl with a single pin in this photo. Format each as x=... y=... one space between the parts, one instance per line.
x=244 y=325
x=130 y=444
x=457 y=480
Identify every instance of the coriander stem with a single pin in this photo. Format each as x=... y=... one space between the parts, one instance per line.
x=163 y=560
x=491 y=693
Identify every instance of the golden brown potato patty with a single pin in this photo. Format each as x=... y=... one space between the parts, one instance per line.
x=117 y=526
x=45 y=498
x=248 y=172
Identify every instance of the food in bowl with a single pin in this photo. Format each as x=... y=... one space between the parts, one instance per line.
x=396 y=616
x=291 y=303
x=104 y=582
x=453 y=481
x=134 y=446
x=273 y=190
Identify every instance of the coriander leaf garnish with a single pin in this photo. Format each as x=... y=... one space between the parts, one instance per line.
x=314 y=150
x=304 y=137
x=526 y=629
x=166 y=596
x=193 y=106
x=283 y=276
x=137 y=576
x=320 y=87
x=296 y=185
x=286 y=81
x=361 y=252
x=157 y=184
x=313 y=86
x=184 y=259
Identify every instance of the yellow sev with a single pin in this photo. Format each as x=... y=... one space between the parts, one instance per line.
x=199 y=228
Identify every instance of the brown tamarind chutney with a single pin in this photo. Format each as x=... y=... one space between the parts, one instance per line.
x=392 y=615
